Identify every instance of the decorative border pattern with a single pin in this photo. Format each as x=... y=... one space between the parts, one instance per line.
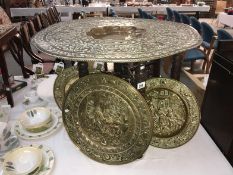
x=69 y=40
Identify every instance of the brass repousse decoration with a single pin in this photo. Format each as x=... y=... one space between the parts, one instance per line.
x=63 y=82
x=116 y=39
x=107 y=119
x=175 y=112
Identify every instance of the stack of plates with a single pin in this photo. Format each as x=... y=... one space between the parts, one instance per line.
x=28 y=160
x=38 y=122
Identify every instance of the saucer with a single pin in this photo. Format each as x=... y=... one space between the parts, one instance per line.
x=21 y=132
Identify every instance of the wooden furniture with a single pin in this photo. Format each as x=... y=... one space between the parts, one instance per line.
x=5 y=37
x=217 y=108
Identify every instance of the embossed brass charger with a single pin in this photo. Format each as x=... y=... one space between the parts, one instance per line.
x=107 y=119
x=63 y=82
x=175 y=112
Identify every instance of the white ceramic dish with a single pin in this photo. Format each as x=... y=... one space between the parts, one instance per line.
x=22 y=161
x=22 y=133
x=36 y=119
x=48 y=161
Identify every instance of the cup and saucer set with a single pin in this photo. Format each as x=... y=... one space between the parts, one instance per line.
x=33 y=124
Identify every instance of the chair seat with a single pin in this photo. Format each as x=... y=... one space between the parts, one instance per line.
x=47 y=67
x=194 y=54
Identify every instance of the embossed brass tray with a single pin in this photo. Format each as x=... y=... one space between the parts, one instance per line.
x=116 y=39
x=175 y=112
x=107 y=119
x=63 y=82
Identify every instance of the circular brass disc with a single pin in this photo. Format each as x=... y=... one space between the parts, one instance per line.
x=107 y=119
x=116 y=39
x=175 y=112
x=62 y=84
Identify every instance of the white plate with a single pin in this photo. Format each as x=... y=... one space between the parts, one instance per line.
x=47 y=162
x=22 y=161
x=24 y=134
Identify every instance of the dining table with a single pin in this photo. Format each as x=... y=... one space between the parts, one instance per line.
x=199 y=156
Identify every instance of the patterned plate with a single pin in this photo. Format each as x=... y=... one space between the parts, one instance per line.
x=24 y=134
x=62 y=82
x=175 y=112
x=107 y=119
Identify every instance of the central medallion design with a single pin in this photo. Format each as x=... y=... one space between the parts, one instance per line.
x=116 y=32
x=106 y=122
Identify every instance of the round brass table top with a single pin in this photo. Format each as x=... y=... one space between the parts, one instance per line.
x=116 y=39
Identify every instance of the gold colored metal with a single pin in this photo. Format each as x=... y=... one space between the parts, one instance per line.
x=107 y=119
x=176 y=115
x=62 y=84
x=116 y=39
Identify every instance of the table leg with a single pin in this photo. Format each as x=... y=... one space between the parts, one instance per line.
x=83 y=69
x=154 y=69
x=5 y=77
x=176 y=66
x=197 y=15
x=141 y=75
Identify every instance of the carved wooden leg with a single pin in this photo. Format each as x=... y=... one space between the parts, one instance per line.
x=141 y=75
x=5 y=77
x=176 y=67
x=83 y=69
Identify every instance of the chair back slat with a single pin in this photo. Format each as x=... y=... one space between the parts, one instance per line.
x=176 y=16
x=207 y=32
x=195 y=24
x=44 y=20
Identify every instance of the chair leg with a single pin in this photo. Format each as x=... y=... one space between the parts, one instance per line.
x=209 y=62
x=204 y=65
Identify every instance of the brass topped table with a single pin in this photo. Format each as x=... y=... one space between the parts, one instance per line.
x=118 y=40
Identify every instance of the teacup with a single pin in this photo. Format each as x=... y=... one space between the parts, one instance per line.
x=7 y=140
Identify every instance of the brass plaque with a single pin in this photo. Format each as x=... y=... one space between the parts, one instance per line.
x=175 y=112
x=63 y=82
x=107 y=119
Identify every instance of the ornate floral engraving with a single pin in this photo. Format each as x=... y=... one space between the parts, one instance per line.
x=75 y=40
x=107 y=119
x=175 y=112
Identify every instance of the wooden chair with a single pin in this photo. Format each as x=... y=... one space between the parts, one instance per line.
x=37 y=23
x=51 y=16
x=16 y=49
x=44 y=20
x=36 y=58
x=57 y=14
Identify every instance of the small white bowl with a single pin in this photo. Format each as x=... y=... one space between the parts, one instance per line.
x=36 y=119
x=22 y=161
